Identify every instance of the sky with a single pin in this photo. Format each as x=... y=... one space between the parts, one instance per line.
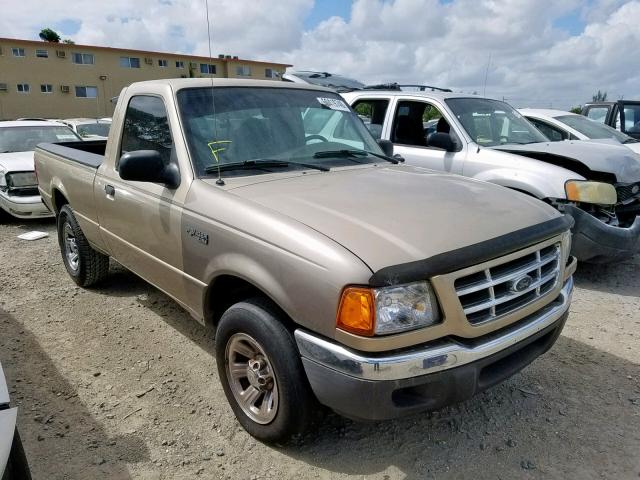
x=533 y=53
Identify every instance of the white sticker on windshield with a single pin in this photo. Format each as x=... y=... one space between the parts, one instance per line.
x=66 y=137
x=333 y=103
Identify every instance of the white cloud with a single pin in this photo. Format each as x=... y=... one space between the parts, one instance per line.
x=428 y=41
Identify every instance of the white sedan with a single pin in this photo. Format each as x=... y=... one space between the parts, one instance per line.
x=559 y=125
x=18 y=182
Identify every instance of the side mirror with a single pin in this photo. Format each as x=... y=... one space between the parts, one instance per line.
x=441 y=140
x=147 y=166
x=387 y=147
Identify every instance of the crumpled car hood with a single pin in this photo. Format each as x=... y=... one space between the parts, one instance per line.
x=598 y=157
x=17 y=161
x=397 y=214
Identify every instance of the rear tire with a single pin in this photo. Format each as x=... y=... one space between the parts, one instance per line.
x=258 y=361
x=85 y=265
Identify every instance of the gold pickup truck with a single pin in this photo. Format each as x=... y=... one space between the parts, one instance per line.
x=333 y=273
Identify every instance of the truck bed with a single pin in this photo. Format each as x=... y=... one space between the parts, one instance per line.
x=89 y=153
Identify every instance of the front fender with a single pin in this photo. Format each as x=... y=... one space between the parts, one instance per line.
x=537 y=184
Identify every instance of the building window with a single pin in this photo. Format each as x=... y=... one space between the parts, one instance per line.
x=84 y=58
x=162 y=63
x=243 y=71
x=207 y=69
x=42 y=53
x=24 y=88
x=179 y=64
x=130 y=62
x=86 y=92
x=46 y=88
x=270 y=73
x=18 y=52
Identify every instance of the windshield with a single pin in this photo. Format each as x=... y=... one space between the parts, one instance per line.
x=490 y=123
x=289 y=125
x=592 y=129
x=25 y=139
x=325 y=79
x=100 y=129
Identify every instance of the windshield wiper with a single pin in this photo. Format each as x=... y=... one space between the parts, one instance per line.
x=351 y=154
x=630 y=140
x=261 y=163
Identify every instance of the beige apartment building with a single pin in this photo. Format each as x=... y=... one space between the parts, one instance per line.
x=57 y=80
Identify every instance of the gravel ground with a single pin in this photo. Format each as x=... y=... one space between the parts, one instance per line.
x=118 y=382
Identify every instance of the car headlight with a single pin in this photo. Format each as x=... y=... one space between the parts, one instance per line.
x=591 y=192
x=22 y=179
x=387 y=310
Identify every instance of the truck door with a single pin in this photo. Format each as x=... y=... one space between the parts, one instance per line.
x=141 y=221
x=412 y=123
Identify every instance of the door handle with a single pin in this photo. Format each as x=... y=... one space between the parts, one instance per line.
x=109 y=190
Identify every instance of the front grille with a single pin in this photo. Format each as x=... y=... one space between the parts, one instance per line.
x=502 y=289
x=628 y=191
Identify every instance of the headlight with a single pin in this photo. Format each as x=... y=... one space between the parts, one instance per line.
x=22 y=179
x=387 y=310
x=591 y=192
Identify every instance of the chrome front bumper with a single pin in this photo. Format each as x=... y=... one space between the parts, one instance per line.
x=24 y=207
x=437 y=356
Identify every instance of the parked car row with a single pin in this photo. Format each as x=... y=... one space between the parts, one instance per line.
x=357 y=250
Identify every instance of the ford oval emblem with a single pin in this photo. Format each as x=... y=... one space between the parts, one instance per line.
x=521 y=284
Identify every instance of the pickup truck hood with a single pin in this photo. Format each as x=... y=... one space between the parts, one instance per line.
x=17 y=161
x=398 y=214
x=598 y=157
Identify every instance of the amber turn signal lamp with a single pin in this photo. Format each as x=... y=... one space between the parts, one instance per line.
x=356 y=312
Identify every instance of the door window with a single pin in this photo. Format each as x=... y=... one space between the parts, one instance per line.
x=415 y=121
x=372 y=112
x=146 y=127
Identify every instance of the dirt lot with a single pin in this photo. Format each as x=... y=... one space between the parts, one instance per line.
x=118 y=382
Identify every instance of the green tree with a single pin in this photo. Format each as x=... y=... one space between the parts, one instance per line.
x=49 y=35
x=577 y=109
x=600 y=97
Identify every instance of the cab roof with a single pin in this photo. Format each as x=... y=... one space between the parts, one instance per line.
x=180 y=83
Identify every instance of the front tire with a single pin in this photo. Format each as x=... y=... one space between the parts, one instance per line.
x=85 y=265
x=261 y=372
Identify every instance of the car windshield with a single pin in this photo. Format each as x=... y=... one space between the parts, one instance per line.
x=491 y=123
x=591 y=128
x=25 y=139
x=290 y=126
x=325 y=79
x=100 y=129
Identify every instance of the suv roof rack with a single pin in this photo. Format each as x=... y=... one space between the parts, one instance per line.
x=398 y=86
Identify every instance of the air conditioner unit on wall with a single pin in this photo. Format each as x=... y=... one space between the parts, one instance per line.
x=61 y=53
x=148 y=61
x=64 y=88
x=3 y=87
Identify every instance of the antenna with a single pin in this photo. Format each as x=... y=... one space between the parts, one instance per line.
x=486 y=74
x=219 y=181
